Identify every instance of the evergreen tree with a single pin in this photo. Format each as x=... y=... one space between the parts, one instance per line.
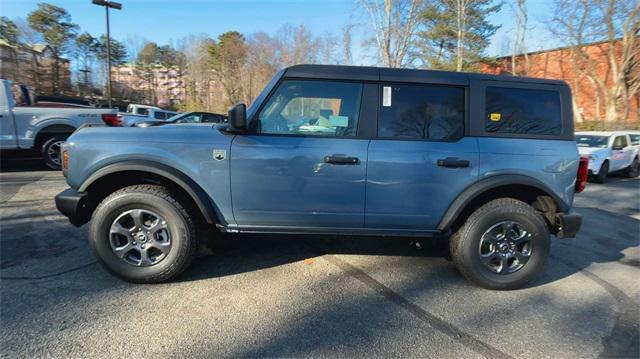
x=439 y=39
x=57 y=30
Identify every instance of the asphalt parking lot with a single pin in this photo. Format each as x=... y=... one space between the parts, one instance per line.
x=293 y=296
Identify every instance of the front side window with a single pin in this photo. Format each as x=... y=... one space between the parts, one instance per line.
x=422 y=112
x=620 y=142
x=522 y=111
x=315 y=108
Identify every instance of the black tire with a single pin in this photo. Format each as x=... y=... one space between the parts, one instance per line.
x=634 y=170
x=465 y=244
x=50 y=151
x=601 y=177
x=179 y=226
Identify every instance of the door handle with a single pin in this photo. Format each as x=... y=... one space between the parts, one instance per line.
x=341 y=160
x=452 y=162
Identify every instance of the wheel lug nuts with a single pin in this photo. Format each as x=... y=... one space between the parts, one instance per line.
x=134 y=243
x=142 y=246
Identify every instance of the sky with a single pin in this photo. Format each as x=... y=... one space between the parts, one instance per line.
x=166 y=21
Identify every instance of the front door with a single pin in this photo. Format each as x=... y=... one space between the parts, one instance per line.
x=620 y=153
x=421 y=160
x=303 y=166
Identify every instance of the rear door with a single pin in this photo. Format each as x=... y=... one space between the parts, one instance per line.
x=420 y=160
x=304 y=166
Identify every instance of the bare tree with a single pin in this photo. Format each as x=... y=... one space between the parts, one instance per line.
x=347 y=57
x=296 y=45
x=603 y=30
x=394 y=23
x=519 y=45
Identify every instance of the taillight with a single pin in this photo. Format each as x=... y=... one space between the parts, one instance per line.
x=111 y=119
x=583 y=173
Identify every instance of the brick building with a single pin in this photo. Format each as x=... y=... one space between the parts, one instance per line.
x=559 y=64
x=165 y=86
x=32 y=65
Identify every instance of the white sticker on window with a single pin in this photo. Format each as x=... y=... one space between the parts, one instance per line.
x=386 y=96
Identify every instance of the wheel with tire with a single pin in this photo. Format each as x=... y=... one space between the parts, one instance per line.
x=502 y=245
x=602 y=173
x=143 y=235
x=634 y=170
x=50 y=151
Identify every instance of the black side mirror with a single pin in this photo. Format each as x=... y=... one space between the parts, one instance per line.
x=238 y=117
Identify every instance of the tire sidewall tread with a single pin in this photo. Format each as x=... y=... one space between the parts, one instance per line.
x=183 y=236
x=464 y=244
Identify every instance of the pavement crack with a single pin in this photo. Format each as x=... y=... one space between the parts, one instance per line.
x=446 y=328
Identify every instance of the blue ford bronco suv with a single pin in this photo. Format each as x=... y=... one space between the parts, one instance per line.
x=488 y=163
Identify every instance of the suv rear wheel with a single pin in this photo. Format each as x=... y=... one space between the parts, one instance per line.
x=143 y=235
x=502 y=245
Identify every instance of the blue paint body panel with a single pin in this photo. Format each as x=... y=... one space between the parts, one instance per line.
x=187 y=148
x=284 y=181
x=406 y=189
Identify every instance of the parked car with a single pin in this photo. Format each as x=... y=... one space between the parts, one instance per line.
x=138 y=113
x=487 y=162
x=187 y=117
x=25 y=127
x=610 y=152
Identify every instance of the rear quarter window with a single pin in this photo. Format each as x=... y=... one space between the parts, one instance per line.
x=522 y=111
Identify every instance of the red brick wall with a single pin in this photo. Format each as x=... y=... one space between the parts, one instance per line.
x=558 y=64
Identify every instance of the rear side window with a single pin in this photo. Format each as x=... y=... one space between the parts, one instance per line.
x=522 y=111
x=422 y=112
x=635 y=140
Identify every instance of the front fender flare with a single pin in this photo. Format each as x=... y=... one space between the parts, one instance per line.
x=486 y=184
x=206 y=206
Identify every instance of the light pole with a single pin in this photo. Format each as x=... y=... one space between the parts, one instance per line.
x=114 y=5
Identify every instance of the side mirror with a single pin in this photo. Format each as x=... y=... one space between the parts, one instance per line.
x=238 y=117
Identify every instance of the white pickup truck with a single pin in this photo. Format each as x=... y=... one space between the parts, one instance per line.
x=610 y=151
x=138 y=113
x=25 y=127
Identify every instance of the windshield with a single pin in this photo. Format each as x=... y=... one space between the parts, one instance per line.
x=592 y=141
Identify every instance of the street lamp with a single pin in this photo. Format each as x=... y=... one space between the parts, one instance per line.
x=114 y=5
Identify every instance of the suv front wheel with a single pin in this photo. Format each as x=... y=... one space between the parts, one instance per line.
x=502 y=245
x=143 y=235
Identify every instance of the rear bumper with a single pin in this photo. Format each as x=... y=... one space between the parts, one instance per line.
x=568 y=225
x=72 y=203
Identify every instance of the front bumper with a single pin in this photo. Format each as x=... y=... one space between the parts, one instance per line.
x=568 y=224
x=72 y=204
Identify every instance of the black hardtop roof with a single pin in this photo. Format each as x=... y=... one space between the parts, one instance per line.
x=367 y=73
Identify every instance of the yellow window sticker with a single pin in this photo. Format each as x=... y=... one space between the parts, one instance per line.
x=494 y=117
